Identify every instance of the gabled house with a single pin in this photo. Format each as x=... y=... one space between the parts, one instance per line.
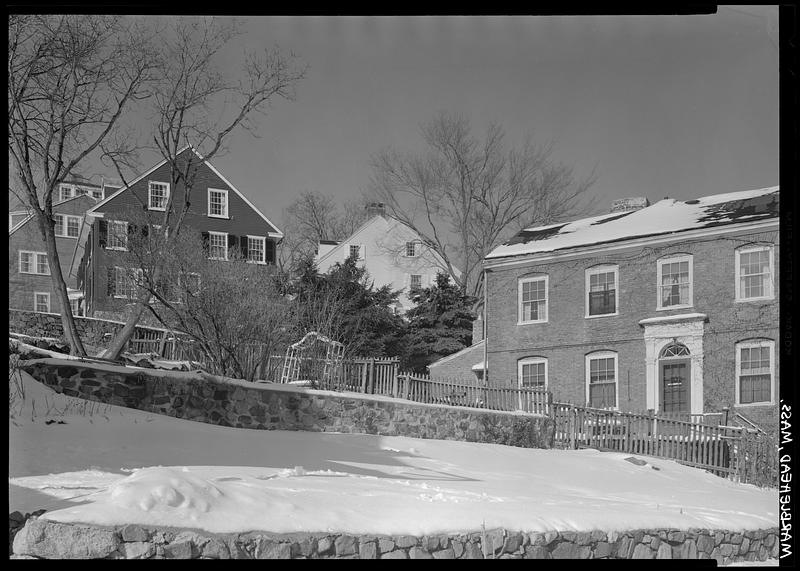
x=222 y=214
x=671 y=307
x=30 y=285
x=392 y=253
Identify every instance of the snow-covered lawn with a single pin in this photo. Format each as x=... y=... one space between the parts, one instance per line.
x=112 y=465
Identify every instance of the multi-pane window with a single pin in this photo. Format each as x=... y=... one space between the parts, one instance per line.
x=33 y=263
x=675 y=282
x=65 y=192
x=75 y=306
x=117 y=235
x=158 y=192
x=415 y=282
x=191 y=282
x=754 y=270
x=601 y=378
x=411 y=249
x=67 y=226
x=217 y=203
x=256 y=249
x=601 y=291
x=98 y=194
x=218 y=245
x=533 y=300
x=755 y=369
x=125 y=282
x=532 y=373
x=356 y=251
x=41 y=302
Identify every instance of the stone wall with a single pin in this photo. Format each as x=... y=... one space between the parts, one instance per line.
x=268 y=406
x=52 y=540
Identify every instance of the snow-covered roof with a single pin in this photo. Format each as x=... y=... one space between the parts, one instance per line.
x=664 y=217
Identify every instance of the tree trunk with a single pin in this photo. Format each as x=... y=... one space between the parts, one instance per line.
x=60 y=286
x=122 y=338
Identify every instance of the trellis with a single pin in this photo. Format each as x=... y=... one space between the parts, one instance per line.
x=310 y=350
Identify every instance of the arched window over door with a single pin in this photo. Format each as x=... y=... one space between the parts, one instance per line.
x=674 y=367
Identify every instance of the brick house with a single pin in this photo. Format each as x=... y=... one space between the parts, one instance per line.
x=671 y=307
x=30 y=286
x=222 y=214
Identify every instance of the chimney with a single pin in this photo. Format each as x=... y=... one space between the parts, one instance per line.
x=374 y=208
x=628 y=204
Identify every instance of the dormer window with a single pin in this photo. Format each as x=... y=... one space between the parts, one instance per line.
x=158 y=193
x=217 y=203
x=411 y=249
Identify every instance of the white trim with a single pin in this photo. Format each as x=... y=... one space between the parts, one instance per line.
x=212 y=233
x=578 y=251
x=672 y=259
x=604 y=354
x=455 y=355
x=604 y=269
x=35 y=264
x=65 y=225
x=108 y=235
x=772 y=370
x=738 y=285
x=263 y=239
x=227 y=214
x=532 y=361
x=35 y=304
x=138 y=272
x=520 y=312
x=150 y=195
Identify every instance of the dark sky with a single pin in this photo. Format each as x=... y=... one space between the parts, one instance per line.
x=678 y=106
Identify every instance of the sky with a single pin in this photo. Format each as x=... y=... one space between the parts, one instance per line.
x=677 y=106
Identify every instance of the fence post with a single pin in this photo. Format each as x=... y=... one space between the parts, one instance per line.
x=364 y=373
x=725 y=411
x=573 y=429
x=395 y=380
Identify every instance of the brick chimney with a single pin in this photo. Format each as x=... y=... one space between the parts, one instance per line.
x=628 y=204
x=374 y=208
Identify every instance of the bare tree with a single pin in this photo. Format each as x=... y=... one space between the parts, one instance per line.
x=464 y=195
x=70 y=79
x=196 y=105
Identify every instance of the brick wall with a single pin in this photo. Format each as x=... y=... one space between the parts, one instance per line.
x=568 y=335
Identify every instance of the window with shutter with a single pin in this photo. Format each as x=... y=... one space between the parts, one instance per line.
x=102 y=230
x=270 y=251
x=243 y=246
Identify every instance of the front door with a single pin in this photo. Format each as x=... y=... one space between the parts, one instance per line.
x=675 y=382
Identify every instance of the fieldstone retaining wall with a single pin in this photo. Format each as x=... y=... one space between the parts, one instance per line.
x=38 y=324
x=44 y=539
x=269 y=406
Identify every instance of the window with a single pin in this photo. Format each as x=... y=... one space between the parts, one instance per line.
x=33 y=263
x=415 y=282
x=755 y=372
x=67 y=226
x=217 y=203
x=65 y=192
x=754 y=271
x=191 y=282
x=532 y=373
x=41 y=302
x=125 y=282
x=256 y=249
x=98 y=194
x=157 y=195
x=218 y=245
x=75 y=306
x=533 y=300
x=601 y=379
x=356 y=251
x=675 y=282
x=602 y=293
x=411 y=249
x=117 y=235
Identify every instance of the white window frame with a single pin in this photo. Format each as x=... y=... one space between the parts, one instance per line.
x=263 y=240
x=226 y=214
x=36 y=294
x=672 y=260
x=65 y=218
x=34 y=263
x=772 y=370
x=150 y=206
x=411 y=287
x=532 y=361
x=414 y=249
x=602 y=270
x=588 y=372
x=110 y=229
x=70 y=192
x=210 y=234
x=520 y=311
x=126 y=272
x=747 y=250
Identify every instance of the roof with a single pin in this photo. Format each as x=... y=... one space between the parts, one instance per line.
x=458 y=354
x=665 y=217
x=97 y=211
x=22 y=223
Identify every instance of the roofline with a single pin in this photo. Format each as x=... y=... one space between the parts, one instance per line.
x=20 y=224
x=576 y=251
x=341 y=244
x=457 y=353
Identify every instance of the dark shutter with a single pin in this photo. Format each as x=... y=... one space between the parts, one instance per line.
x=270 y=251
x=205 y=237
x=243 y=246
x=233 y=242
x=112 y=283
x=145 y=230
x=103 y=232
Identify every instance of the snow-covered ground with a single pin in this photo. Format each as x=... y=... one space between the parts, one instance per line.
x=111 y=465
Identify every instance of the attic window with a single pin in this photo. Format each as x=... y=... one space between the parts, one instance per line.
x=157 y=195
x=411 y=249
x=217 y=203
